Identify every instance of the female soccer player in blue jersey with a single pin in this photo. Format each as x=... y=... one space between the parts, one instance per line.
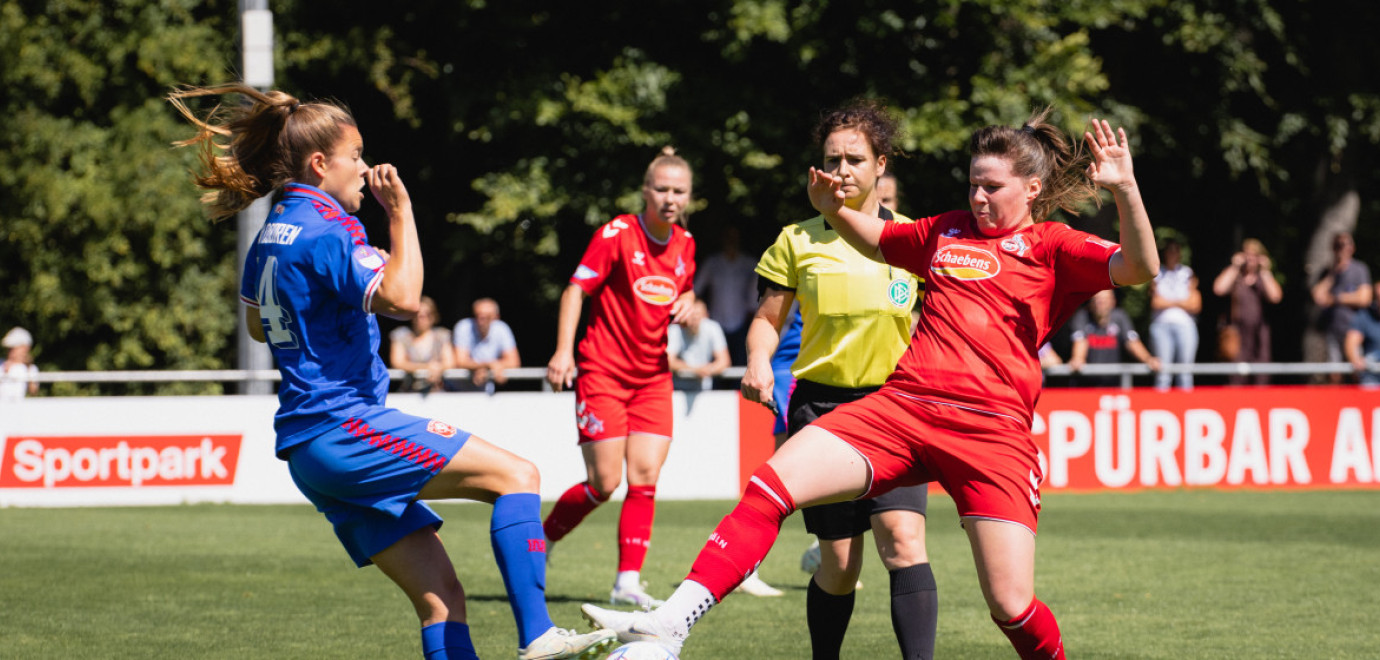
x=312 y=284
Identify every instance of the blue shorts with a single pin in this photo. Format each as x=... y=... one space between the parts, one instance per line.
x=366 y=473
x=781 y=394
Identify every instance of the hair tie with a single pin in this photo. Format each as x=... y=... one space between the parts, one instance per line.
x=294 y=107
x=1028 y=129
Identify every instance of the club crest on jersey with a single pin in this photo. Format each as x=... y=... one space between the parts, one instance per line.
x=965 y=262
x=440 y=428
x=898 y=292
x=655 y=289
x=1015 y=244
x=639 y=259
x=680 y=266
x=368 y=257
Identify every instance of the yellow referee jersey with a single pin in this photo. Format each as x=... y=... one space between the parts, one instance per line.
x=856 y=310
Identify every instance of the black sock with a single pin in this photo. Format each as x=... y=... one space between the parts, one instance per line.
x=914 y=611
x=827 y=616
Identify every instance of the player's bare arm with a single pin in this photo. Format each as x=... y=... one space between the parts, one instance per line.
x=560 y=371
x=862 y=231
x=400 y=292
x=764 y=334
x=1138 y=261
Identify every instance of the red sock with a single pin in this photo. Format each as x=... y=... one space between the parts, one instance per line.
x=745 y=536
x=1035 y=633
x=570 y=509
x=635 y=526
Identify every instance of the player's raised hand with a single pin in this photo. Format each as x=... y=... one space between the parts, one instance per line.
x=388 y=187
x=1111 y=163
x=826 y=191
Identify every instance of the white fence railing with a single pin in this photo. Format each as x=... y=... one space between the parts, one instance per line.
x=1126 y=371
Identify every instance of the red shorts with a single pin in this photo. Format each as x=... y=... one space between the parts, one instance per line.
x=987 y=463
x=610 y=407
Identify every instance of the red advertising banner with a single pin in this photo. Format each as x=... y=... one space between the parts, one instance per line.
x=1213 y=437
x=120 y=461
x=1220 y=437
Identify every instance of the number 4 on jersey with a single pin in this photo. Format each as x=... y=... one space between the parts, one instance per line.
x=275 y=318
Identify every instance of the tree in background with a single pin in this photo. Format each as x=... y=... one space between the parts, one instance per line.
x=524 y=128
x=105 y=254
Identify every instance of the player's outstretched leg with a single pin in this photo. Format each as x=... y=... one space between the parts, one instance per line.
x=735 y=548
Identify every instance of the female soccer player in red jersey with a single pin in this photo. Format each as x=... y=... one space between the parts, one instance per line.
x=312 y=286
x=958 y=408
x=857 y=317
x=639 y=270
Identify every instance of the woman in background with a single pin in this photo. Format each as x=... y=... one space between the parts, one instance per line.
x=639 y=270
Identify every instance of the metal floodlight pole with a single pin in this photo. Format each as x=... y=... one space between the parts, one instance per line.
x=256 y=23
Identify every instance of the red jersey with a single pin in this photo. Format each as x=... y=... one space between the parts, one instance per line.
x=633 y=280
x=989 y=304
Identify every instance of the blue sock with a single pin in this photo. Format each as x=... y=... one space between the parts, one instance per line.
x=448 y=640
x=520 y=548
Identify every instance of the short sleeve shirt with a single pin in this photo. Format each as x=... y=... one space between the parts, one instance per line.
x=990 y=303
x=1355 y=276
x=633 y=281
x=312 y=275
x=1106 y=340
x=856 y=311
x=484 y=349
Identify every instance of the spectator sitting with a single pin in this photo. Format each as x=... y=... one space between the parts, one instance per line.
x=1363 y=341
x=1101 y=331
x=423 y=346
x=697 y=350
x=728 y=281
x=1175 y=301
x=1341 y=292
x=1244 y=335
x=18 y=373
x=485 y=345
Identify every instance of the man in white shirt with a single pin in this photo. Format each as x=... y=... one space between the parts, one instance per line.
x=697 y=350
x=486 y=346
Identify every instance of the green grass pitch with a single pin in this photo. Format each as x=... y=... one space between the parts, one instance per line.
x=1179 y=574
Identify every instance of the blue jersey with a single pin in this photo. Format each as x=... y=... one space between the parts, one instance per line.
x=789 y=346
x=312 y=275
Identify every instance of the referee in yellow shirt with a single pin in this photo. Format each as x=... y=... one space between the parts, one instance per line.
x=857 y=322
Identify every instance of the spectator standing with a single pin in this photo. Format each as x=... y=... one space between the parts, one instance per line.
x=728 y=282
x=485 y=345
x=639 y=273
x=18 y=374
x=422 y=346
x=1249 y=284
x=1174 y=303
x=1342 y=291
x=1102 y=334
x=697 y=350
x=1363 y=341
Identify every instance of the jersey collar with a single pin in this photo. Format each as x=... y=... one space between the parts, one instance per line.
x=304 y=191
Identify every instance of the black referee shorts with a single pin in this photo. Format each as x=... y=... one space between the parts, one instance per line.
x=843 y=520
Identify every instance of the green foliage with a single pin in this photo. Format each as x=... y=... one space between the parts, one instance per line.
x=518 y=130
x=104 y=252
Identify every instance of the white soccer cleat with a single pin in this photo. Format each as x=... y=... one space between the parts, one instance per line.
x=561 y=643
x=755 y=586
x=635 y=596
x=633 y=627
x=810 y=559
